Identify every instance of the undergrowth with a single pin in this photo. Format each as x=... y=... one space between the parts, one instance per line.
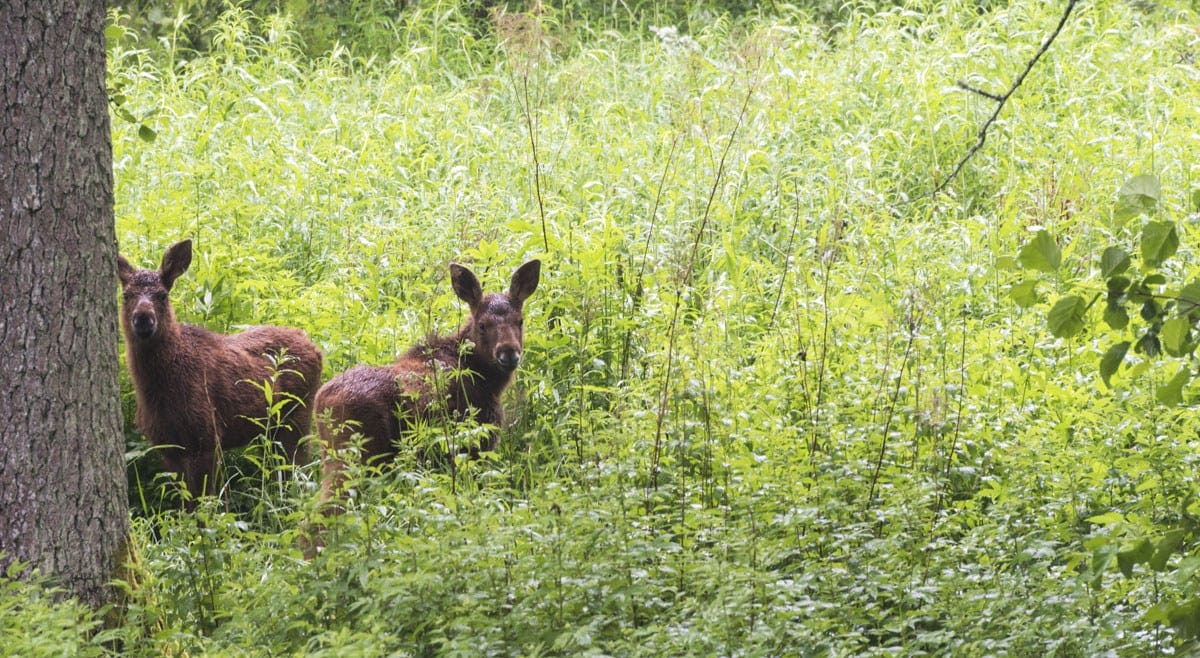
x=776 y=398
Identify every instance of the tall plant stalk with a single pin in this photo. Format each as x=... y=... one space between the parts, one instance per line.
x=685 y=285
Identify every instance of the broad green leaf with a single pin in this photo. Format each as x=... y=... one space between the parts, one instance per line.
x=1101 y=558
x=1138 y=195
x=1140 y=552
x=1116 y=316
x=1185 y=617
x=1159 y=613
x=1107 y=518
x=1148 y=344
x=1172 y=391
x=1160 y=240
x=1189 y=300
x=1145 y=186
x=1196 y=200
x=1041 y=253
x=1111 y=361
x=112 y=34
x=1006 y=263
x=146 y=133
x=1175 y=334
x=1117 y=284
x=1165 y=547
x=1113 y=261
x=1024 y=293
x=1150 y=309
x=1066 y=318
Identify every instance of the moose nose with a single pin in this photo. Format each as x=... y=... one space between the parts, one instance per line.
x=508 y=358
x=143 y=325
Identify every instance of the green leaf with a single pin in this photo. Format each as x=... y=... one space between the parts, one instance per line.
x=1175 y=334
x=1041 y=253
x=1113 y=261
x=1172 y=392
x=1185 y=618
x=1107 y=518
x=1024 y=293
x=1148 y=344
x=146 y=133
x=1101 y=557
x=1160 y=240
x=1165 y=548
x=1111 y=361
x=1196 y=200
x=1145 y=186
x=1189 y=300
x=1138 y=195
x=1150 y=309
x=112 y=34
x=1066 y=318
x=1116 y=316
x=1138 y=553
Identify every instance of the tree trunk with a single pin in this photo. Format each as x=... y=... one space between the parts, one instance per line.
x=62 y=480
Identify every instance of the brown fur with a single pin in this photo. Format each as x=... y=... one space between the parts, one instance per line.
x=443 y=376
x=198 y=391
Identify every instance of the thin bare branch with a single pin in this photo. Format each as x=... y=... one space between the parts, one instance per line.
x=962 y=84
x=1003 y=99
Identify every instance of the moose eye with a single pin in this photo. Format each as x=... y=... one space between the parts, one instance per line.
x=160 y=296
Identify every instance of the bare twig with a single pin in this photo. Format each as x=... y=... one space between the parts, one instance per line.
x=537 y=165
x=1001 y=100
x=964 y=85
x=787 y=260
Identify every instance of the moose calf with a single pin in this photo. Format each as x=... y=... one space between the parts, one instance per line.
x=199 y=392
x=459 y=375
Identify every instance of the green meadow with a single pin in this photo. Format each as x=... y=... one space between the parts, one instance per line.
x=778 y=397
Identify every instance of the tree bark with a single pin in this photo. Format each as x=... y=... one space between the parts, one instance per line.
x=63 y=501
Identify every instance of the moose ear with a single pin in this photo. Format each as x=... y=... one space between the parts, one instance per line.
x=175 y=262
x=466 y=285
x=124 y=270
x=524 y=282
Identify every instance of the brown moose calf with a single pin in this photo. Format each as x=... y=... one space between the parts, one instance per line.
x=460 y=376
x=199 y=392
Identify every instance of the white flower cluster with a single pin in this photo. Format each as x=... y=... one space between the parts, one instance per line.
x=674 y=42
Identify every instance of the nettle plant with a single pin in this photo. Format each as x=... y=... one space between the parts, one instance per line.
x=1132 y=283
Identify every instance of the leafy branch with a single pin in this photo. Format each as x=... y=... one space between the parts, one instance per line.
x=1002 y=99
x=1164 y=320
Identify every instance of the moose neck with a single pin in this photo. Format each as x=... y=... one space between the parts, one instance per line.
x=146 y=356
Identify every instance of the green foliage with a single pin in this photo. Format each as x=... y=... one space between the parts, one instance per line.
x=775 y=398
x=1163 y=320
x=36 y=621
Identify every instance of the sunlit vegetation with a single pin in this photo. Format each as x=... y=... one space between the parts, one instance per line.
x=777 y=398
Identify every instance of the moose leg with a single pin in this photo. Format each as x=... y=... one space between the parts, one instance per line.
x=198 y=470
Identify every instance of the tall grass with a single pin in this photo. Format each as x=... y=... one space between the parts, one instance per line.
x=776 y=399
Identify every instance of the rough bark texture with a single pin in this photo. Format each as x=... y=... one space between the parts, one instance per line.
x=62 y=483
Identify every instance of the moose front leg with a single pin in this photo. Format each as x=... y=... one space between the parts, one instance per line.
x=199 y=477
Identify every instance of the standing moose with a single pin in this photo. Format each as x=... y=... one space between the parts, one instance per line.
x=459 y=375
x=199 y=392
